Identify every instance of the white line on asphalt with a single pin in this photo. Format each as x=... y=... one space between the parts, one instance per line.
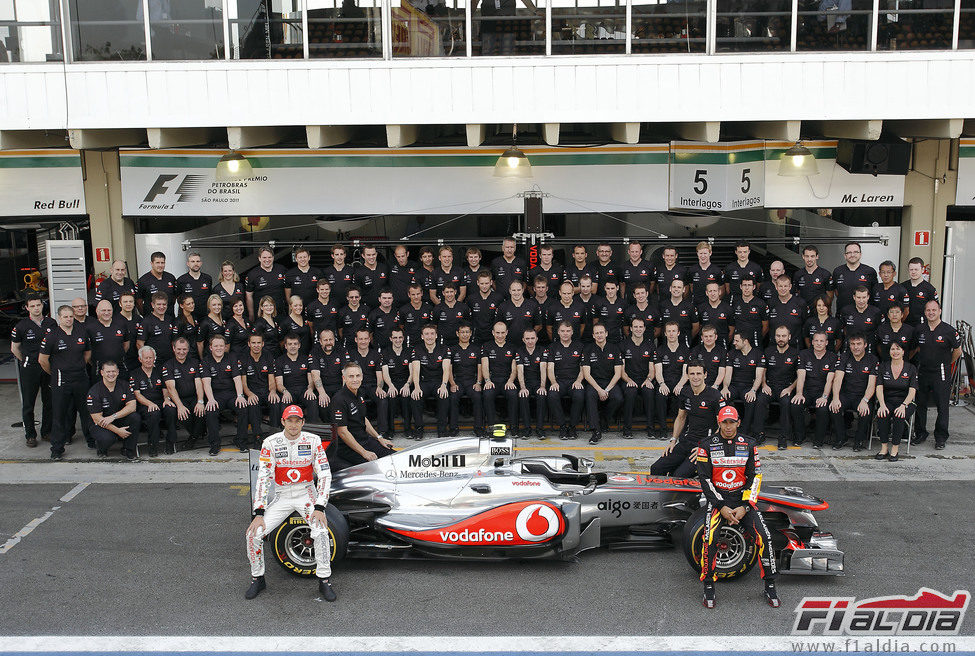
x=34 y=523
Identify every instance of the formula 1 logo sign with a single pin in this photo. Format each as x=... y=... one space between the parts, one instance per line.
x=513 y=524
x=929 y=612
x=170 y=188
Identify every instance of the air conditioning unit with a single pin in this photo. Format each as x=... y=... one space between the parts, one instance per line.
x=886 y=156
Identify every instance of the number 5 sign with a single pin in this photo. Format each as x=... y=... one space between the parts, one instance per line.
x=725 y=176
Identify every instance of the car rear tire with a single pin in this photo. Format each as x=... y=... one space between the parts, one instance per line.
x=293 y=547
x=735 y=553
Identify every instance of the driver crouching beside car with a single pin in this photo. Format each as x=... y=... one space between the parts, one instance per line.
x=358 y=442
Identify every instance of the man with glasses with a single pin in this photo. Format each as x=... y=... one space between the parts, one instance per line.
x=847 y=277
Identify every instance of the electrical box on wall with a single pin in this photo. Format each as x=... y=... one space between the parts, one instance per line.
x=886 y=156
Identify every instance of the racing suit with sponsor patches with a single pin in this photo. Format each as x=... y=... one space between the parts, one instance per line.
x=292 y=465
x=727 y=469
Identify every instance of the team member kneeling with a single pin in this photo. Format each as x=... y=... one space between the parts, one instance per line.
x=291 y=457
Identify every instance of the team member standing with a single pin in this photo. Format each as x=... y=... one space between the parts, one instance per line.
x=716 y=313
x=636 y=270
x=415 y=315
x=292 y=376
x=778 y=386
x=749 y=313
x=704 y=273
x=449 y=313
x=484 y=304
x=472 y=270
x=552 y=272
x=402 y=274
x=430 y=378
x=322 y=312
x=185 y=402
x=359 y=442
x=260 y=388
x=545 y=305
x=743 y=378
x=229 y=288
x=64 y=355
x=158 y=329
x=396 y=375
x=213 y=324
x=293 y=458
x=133 y=320
x=851 y=275
x=822 y=321
x=266 y=279
x=638 y=375
x=530 y=361
x=110 y=406
x=609 y=311
x=695 y=421
x=602 y=367
x=860 y=318
x=578 y=268
x=372 y=389
x=565 y=376
x=742 y=269
x=814 y=382
x=239 y=329
x=150 y=395
x=370 y=276
x=787 y=310
x=888 y=291
x=508 y=267
x=187 y=325
x=266 y=325
x=326 y=370
x=25 y=344
x=446 y=274
x=352 y=317
x=339 y=274
x=939 y=347
x=223 y=390
x=895 y=330
x=670 y=371
x=197 y=284
x=295 y=324
x=568 y=309
x=812 y=281
x=519 y=313
x=919 y=290
x=302 y=279
x=383 y=320
x=896 y=391
x=605 y=269
x=643 y=308
x=466 y=379
x=667 y=271
x=769 y=290
x=727 y=465
x=499 y=371
x=680 y=310
x=712 y=355
x=853 y=388
x=156 y=281
x=111 y=288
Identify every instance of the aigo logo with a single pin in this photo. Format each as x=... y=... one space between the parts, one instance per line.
x=522 y=523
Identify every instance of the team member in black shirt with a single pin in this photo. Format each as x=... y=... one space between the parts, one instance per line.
x=322 y=312
x=302 y=279
x=223 y=390
x=64 y=355
x=769 y=291
x=326 y=362
x=667 y=271
x=158 y=329
x=609 y=310
x=150 y=393
x=415 y=315
x=681 y=310
x=508 y=267
x=812 y=281
x=519 y=313
x=383 y=320
x=847 y=277
x=111 y=409
x=156 y=281
x=499 y=370
x=888 y=291
x=750 y=313
x=565 y=380
x=530 y=362
x=185 y=402
x=430 y=378
x=424 y=274
x=484 y=304
x=266 y=325
x=449 y=313
x=446 y=274
x=292 y=376
x=670 y=361
x=919 y=290
x=472 y=271
x=636 y=271
x=939 y=347
x=371 y=391
x=396 y=375
x=466 y=379
x=260 y=389
x=702 y=274
x=545 y=305
x=860 y=318
x=552 y=272
x=578 y=268
x=638 y=375
x=130 y=315
x=896 y=389
x=339 y=274
x=696 y=419
x=229 y=288
x=853 y=389
x=605 y=269
x=25 y=344
x=195 y=283
x=743 y=379
x=894 y=330
x=712 y=355
x=822 y=321
x=295 y=324
x=716 y=313
x=359 y=442
x=643 y=308
x=786 y=309
x=187 y=325
x=602 y=367
x=742 y=269
x=814 y=382
x=111 y=288
x=370 y=276
x=211 y=325
x=570 y=309
x=402 y=274
x=266 y=279
x=778 y=386
x=352 y=317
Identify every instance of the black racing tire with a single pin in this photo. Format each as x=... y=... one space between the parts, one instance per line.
x=293 y=548
x=737 y=557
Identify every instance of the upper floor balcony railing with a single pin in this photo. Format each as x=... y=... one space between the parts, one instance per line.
x=194 y=30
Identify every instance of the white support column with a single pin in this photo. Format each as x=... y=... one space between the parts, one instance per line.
x=956 y=23
x=398 y=136
x=476 y=134
x=145 y=26
x=182 y=137
x=874 y=25
x=87 y=139
x=226 y=31
x=252 y=137
x=550 y=133
x=305 y=47
x=707 y=131
x=629 y=26
x=323 y=136
x=794 y=32
x=628 y=133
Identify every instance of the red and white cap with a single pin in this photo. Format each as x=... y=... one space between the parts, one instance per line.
x=295 y=411
x=727 y=413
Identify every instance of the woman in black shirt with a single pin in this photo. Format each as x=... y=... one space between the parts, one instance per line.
x=896 y=389
x=267 y=325
x=295 y=323
x=186 y=325
x=229 y=288
x=822 y=322
x=213 y=324
x=239 y=329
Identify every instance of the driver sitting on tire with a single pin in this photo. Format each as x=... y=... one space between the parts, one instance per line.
x=291 y=457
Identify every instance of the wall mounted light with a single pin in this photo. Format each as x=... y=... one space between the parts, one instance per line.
x=513 y=163
x=798 y=161
x=233 y=166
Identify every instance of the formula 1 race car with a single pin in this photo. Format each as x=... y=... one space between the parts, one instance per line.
x=472 y=498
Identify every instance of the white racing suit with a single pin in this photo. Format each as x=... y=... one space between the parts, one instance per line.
x=292 y=465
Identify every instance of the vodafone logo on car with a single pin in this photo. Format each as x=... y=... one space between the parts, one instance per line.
x=513 y=524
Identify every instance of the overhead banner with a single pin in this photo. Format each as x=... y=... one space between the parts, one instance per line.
x=965 y=190
x=834 y=186
x=344 y=181
x=718 y=177
x=43 y=182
